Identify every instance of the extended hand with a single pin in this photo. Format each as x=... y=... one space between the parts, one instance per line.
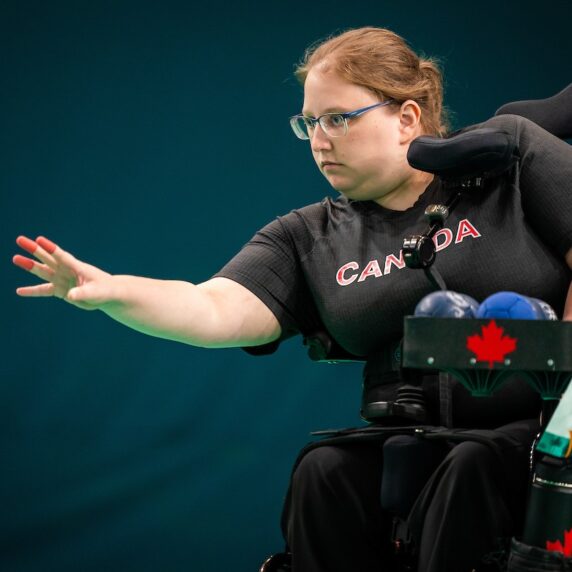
x=65 y=276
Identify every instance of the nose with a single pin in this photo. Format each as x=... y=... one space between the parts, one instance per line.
x=319 y=140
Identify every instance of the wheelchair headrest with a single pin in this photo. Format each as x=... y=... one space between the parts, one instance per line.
x=481 y=152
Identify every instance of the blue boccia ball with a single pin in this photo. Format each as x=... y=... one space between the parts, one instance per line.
x=514 y=306
x=446 y=304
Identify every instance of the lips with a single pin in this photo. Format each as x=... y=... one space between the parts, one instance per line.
x=325 y=164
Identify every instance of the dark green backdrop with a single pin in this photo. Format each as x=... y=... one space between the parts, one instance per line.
x=152 y=138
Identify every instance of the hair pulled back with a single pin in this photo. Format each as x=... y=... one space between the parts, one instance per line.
x=382 y=62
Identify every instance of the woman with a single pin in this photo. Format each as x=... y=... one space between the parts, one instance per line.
x=337 y=265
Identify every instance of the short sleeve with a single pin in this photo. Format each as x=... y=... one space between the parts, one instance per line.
x=269 y=266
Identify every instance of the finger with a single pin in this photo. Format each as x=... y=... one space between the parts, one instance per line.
x=56 y=253
x=46 y=244
x=38 y=291
x=33 y=248
x=27 y=244
x=41 y=270
x=23 y=262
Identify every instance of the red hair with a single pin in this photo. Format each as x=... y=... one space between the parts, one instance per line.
x=382 y=62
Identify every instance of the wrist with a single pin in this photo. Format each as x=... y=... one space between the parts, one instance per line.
x=117 y=294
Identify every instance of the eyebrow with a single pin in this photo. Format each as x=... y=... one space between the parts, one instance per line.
x=327 y=110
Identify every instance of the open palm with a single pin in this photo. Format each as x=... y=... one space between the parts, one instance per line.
x=64 y=275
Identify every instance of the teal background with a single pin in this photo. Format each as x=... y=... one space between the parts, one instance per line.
x=152 y=138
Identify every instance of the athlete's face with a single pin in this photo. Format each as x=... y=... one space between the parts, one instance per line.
x=369 y=162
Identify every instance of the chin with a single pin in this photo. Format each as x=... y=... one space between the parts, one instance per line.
x=344 y=187
x=349 y=188
x=352 y=193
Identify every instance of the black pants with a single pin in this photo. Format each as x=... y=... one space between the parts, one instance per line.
x=333 y=520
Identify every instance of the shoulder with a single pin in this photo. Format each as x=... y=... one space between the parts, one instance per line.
x=506 y=122
x=535 y=146
x=318 y=218
x=522 y=129
x=299 y=230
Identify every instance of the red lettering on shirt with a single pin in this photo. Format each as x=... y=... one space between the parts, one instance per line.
x=442 y=239
x=391 y=259
x=466 y=229
x=372 y=269
x=448 y=234
x=341 y=279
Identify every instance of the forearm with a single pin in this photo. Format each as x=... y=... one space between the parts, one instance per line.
x=217 y=313
x=169 y=309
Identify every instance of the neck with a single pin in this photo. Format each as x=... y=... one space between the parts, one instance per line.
x=405 y=195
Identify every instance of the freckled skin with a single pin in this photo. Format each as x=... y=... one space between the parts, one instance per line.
x=370 y=161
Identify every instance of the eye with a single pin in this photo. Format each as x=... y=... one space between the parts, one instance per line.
x=336 y=120
x=309 y=122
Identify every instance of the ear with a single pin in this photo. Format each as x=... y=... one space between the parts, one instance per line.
x=409 y=121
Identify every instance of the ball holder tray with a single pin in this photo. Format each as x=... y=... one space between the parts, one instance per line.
x=481 y=353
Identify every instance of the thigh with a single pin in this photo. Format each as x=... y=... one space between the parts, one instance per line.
x=351 y=467
x=475 y=498
x=332 y=519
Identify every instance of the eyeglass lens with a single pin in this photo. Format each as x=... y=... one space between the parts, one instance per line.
x=333 y=124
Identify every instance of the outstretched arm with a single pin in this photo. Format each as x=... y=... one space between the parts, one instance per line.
x=216 y=313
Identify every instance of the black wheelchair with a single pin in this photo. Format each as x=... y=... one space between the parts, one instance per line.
x=463 y=161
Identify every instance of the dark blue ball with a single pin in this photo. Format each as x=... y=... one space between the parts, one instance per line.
x=513 y=306
x=446 y=304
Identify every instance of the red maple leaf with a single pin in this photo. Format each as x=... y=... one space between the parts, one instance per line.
x=556 y=546
x=493 y=345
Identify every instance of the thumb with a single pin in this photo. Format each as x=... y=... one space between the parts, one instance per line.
x=74 y=294
x=89 y=293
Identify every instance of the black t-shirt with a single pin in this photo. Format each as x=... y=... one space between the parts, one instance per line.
x=338 y=264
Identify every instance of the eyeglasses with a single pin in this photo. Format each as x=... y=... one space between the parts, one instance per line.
x=333 y=124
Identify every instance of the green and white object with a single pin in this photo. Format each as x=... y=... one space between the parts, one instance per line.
x=557 y=438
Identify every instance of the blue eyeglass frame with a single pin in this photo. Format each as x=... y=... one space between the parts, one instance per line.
x=345 y=116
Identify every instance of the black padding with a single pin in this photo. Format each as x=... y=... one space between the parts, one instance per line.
x=477 y=153
x=553 y=113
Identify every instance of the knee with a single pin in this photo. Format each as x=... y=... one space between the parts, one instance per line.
x=320 y=467
x=471 y=459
